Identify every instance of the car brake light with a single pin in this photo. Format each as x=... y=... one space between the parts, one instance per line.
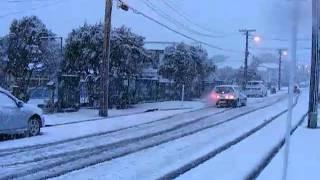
x=215 y=96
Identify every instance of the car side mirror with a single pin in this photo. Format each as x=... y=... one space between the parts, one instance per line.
x=20 y=104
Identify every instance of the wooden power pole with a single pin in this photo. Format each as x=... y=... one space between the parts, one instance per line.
x=247 y=34
x=104 y=64
x=281 y=53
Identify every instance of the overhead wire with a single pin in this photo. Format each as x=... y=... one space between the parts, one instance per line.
x=176 y=22
x=188 y=19
x=52 y=3
x=136 y=11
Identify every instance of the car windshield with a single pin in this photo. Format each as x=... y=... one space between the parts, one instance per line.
x=159 y=89
x=224 y=90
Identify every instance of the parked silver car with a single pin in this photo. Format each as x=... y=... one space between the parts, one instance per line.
x=17 y=117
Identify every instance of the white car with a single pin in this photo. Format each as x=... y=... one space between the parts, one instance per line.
x=228 y=95
x=17 y=117
x=256 y=89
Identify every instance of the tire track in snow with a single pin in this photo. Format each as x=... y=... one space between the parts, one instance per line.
x=195 y=163
x=62 y=164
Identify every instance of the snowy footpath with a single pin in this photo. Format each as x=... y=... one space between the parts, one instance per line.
x=304 y=157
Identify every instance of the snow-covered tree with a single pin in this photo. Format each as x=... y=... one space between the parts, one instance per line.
x=4 y=48
x=52 y=58
x=25 y=50
x=84 y=47
x=3 y=59
x=185 y=64
x=227 y=74
x=84 y=50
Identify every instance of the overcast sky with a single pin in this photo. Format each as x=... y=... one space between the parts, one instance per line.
x=271 y=19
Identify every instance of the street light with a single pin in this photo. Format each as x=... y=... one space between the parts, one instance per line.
x=285 y=53
x=257 y=39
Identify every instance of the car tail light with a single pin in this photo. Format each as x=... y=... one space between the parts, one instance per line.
x=214 y=96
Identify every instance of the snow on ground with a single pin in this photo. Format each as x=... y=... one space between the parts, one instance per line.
x=304 y=157
x=92 y=114
x=53 y=134
x=154 y=162
x=69 y=131
x=238 y=161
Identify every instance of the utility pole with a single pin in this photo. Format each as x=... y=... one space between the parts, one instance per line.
x=247 y=34
x=314 y=77
x=295 y=14
x=281 y=52
x=104 y=64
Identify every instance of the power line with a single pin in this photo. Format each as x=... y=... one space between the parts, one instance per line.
x=22 y=1
x=175 y=22
x=177 y=32
x=188 y=19
x=34 y=8
x=285 y=40
x=273 y=49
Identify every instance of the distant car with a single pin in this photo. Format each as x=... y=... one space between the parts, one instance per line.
x=256 y=89
x=228 y=96
x=273 y=90
x=40 y=97
x=17 y=117
x=296 y=89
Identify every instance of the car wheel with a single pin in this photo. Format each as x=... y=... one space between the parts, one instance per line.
x=244 y=103
x=237 y=103
x=33 y=127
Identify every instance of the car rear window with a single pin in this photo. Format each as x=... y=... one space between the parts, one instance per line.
x=224 y=90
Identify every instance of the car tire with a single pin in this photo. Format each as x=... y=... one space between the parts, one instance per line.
x=244 y=103
x=237 y=103
x=33 y=127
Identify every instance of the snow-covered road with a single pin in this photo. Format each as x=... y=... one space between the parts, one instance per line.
x=61 y=158
x=243 y=158
x=154 y=162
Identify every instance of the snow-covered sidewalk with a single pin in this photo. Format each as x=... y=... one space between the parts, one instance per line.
x=304 y=157
x=92 y=114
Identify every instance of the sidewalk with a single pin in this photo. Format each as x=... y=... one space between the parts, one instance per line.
x=304 y=157
x=93 y=114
